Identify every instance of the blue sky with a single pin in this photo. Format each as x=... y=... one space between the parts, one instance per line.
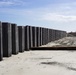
x=56 y=14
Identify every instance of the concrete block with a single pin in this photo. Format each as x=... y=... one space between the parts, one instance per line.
x=45 y=36
x=34 y=36
x=50 y=35
x=21 y=38
x=56 y=34
x=30 y=37
x=27 y=45
x=59 y=35
x=1 y=48
x=15 y=42
x=53 y=35
x=40 y=36
x=7 y=42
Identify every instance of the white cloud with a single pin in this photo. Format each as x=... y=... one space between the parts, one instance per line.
x=58 y=13
x=12 y=2
x=58 y=17
x=5 y=3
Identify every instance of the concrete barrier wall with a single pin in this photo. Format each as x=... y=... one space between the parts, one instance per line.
x=15 y=39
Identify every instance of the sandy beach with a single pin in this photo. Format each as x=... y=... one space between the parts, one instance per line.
x=40 y=63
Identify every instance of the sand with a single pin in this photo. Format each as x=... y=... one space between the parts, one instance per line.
x=67 y=41
x=40 y=63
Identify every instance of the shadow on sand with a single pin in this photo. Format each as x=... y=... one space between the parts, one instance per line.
x=41 y=58
x=59 y=64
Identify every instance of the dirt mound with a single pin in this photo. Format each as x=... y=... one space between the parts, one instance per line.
x=67 y=41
